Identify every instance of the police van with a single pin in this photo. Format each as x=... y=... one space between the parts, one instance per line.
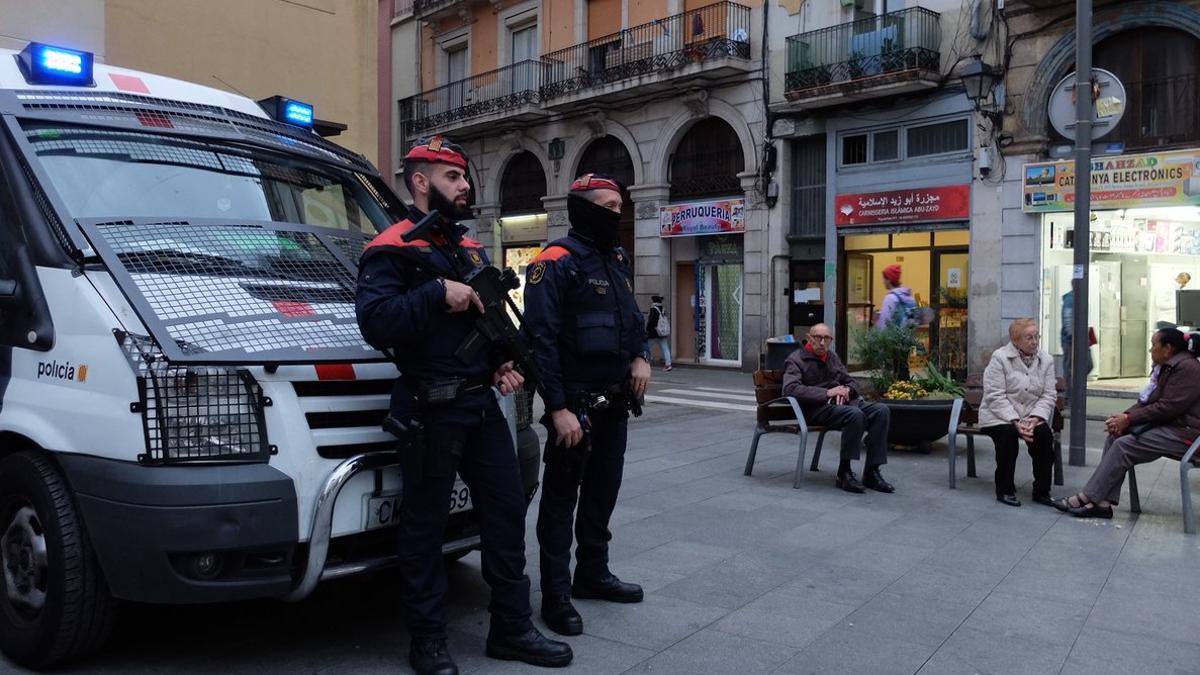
x=188 y=413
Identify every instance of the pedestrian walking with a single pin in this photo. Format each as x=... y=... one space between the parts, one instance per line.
x=658 y=330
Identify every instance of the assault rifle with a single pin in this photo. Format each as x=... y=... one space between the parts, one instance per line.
x=494 y=326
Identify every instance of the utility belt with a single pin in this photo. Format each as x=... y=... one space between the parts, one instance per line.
x=449 y=389
x=613 y=397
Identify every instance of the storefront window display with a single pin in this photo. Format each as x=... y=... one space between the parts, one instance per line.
x=1139 y=258
x=935 y=268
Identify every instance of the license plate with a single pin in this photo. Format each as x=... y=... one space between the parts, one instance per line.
x=384 y=510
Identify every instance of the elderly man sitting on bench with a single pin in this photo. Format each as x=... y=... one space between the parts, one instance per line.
x=828 y=396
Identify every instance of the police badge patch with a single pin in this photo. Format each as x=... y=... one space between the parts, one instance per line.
x=536 y=271
x=476 y=258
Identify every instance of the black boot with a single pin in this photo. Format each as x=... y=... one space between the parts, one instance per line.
x=874 y=480
x=608 y=587
x=529 y=647
x=430 y=657
x=847 y=481
x=560 y=615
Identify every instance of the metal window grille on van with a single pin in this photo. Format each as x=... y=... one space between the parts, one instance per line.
x=196 y=413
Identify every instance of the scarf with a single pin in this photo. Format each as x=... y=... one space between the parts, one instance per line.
x=809 y=348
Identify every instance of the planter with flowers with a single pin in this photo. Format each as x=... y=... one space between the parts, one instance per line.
x=920 y=405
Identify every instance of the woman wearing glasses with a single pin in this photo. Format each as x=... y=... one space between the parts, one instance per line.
x=1018 y=401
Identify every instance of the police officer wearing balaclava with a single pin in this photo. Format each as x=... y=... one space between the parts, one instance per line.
x=590 y=343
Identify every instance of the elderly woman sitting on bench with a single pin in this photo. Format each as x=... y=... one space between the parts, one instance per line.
x=1162 y=423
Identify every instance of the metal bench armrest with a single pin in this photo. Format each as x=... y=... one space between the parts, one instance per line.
x=1191 y=451
x=791 y=400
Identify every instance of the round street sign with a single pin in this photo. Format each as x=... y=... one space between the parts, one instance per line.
x=1109 y=107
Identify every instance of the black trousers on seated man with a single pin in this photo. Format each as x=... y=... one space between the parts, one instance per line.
x=853 y=420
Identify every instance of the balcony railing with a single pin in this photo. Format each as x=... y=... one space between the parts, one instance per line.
x=710 y=32
x=495 y=91
x=422 y=8
x=909 y=39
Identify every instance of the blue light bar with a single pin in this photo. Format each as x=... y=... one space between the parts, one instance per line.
x=289 y=111
x=300 y=114
x=47 y=64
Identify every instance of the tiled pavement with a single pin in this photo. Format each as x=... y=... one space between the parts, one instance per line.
x=747 y=575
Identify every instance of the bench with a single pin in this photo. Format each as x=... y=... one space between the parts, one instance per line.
x=778 y=413
x=965 y=422
x=1186 y=464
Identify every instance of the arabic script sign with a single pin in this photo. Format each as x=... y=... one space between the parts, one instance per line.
x=1157 y=179
x=951 y=202
x=720 y=217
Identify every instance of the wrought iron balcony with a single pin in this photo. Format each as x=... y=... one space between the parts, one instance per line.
x=514 y=87
x=700 y=36
x=886 y=54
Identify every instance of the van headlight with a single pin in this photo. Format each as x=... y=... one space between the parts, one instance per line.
x=202 y=413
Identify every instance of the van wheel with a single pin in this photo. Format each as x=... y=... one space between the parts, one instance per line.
x=54 y=602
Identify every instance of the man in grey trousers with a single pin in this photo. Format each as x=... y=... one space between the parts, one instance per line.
x=828 y=396
x=1162 y=423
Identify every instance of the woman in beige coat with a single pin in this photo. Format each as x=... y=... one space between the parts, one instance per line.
x=1018 y=401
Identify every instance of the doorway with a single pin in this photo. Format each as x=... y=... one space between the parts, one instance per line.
x=720 y=307
x=949 y=302
x=684 y=329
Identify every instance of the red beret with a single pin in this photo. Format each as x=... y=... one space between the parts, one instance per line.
x=589 y=181
x=437 y=150
x=892 y=273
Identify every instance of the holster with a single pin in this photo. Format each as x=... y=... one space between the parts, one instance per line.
x=412 y=448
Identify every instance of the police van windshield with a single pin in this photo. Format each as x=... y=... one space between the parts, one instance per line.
x=107 y=173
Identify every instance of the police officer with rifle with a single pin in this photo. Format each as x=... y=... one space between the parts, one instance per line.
x=590 y=344
x=419 y=300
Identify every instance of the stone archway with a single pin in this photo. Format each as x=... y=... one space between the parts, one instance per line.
x=1060 y=58
x=522 y=185
x=706 y=161
x=608 y=155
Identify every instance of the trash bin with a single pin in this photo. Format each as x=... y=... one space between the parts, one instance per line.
x=778 y=349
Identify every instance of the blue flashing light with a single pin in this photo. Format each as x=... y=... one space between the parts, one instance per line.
x=47 y=64
x=297 y=113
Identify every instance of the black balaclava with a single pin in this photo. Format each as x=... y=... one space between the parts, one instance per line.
x=593 y=222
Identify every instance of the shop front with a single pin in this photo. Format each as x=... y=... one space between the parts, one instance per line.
x=522 y=238
x=925 y=231
x=1144 y=252
x=708 y=254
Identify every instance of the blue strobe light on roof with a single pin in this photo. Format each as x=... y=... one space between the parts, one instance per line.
x=47 y=64
x=289 y=111
x=300 y=114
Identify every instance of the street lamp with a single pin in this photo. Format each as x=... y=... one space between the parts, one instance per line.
x=979 y=79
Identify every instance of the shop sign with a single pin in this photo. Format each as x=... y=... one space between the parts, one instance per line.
x=728 y=247
x=719 y=217
x=1157 y=179
x=951 y=202
x=514 y=229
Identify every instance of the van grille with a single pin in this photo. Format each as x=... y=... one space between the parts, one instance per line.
x=345 y=417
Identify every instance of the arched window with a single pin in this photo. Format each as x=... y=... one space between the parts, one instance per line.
x=707 y=161
x=523 y=185
x=607 y=155
x=1158 y=67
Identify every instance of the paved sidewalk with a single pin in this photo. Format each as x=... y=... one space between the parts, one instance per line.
x=747 y=575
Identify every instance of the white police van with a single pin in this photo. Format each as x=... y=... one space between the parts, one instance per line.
x=188 y=413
